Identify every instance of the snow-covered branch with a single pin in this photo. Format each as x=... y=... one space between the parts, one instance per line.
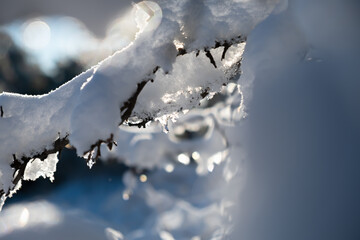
x=184 y=51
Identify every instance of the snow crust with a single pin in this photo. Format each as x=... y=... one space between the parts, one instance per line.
x=37 y=168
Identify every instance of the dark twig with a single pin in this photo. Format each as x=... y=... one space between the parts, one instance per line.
x=19 y=165
x=181 y=51
x=209 y=55
x=126 y=111
x=226 y=47
x=109 y=142
x=129 y=105
x=204 y=93
x=227 y=44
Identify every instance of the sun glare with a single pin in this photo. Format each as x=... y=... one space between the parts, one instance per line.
x=148 y=15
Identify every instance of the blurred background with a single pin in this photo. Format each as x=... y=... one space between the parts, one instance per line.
x=44 y=44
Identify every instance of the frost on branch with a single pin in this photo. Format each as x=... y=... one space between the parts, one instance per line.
x=184 y=51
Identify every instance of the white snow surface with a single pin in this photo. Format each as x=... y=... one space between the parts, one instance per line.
x=37 y=168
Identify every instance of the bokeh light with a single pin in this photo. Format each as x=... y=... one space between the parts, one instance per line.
x=36 y=35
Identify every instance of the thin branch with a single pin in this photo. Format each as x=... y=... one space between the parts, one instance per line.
x=129 y=105
x=109 y=142
x=209 y=55
x=19 y=165
x=126 y=111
